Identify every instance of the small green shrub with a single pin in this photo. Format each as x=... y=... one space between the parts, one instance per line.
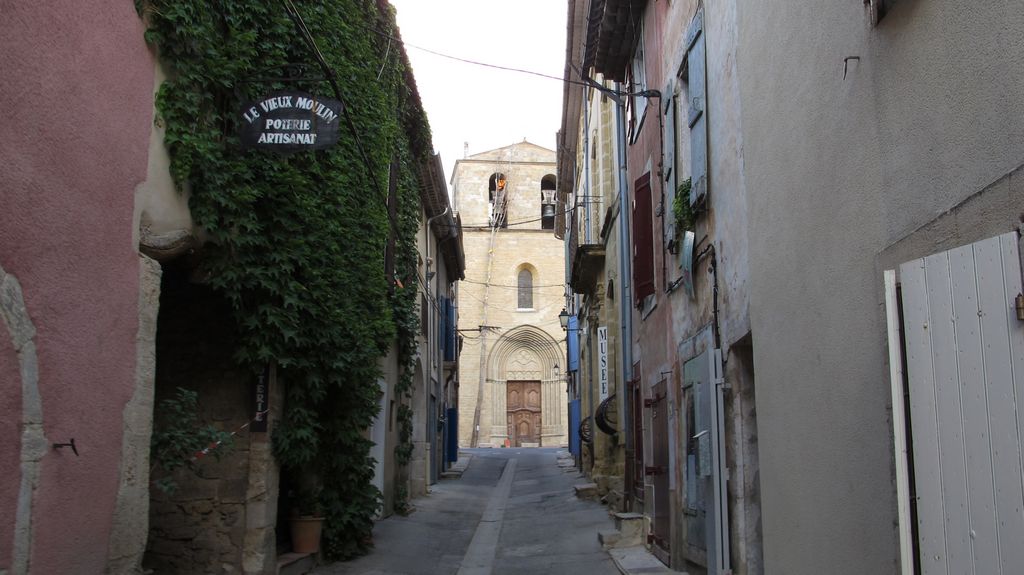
x=180 y=438
x=681 y=209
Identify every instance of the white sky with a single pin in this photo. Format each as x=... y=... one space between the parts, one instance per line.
x=486 y=107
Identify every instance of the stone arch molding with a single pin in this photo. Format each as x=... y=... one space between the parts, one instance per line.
x=524 y=349
x=525 y=353
x=33 y=443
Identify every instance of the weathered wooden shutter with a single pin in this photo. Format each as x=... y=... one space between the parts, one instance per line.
x=668 y=165
x=697 y=109
x=965 y=376
x=643 y=244
x=573 y=344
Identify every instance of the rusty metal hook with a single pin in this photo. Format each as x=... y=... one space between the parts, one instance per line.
x=70 y=444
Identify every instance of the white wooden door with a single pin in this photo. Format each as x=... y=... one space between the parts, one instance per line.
x=964 y=359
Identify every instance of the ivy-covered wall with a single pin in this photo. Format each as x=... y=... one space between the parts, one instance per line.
x=297 y=243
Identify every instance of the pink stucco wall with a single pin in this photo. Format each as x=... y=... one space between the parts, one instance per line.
x=10 y=403
x=656 y=354
x=75 y=115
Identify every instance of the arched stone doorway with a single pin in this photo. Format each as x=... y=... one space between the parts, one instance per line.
x=525 y=389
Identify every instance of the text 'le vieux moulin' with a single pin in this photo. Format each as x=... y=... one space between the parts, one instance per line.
x=289 y=125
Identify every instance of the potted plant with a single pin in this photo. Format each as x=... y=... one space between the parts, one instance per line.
x=306 y=519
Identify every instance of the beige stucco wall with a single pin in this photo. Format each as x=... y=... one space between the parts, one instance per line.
x=929 y=112
x=527 y=341
x=598 y=193
x=161 y=218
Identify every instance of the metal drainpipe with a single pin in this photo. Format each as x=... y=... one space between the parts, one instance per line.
x=586 y=166
x=587 y=235
x=590 y=388
x=625 y=272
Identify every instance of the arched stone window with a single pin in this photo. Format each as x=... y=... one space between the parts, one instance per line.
x=547 y=202
x=525 y=289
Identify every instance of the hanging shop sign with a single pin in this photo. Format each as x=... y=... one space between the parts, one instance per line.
x=602 y=360
x=261 y=401
x=290 y=122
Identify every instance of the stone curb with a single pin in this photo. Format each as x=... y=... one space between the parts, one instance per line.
x=638 y=561
x=457 y=468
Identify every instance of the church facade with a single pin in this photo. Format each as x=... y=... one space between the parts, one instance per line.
x=512 y=366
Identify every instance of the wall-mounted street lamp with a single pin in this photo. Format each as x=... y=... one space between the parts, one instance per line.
x=563 y=319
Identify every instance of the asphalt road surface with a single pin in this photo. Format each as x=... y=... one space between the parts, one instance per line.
x=513 y=511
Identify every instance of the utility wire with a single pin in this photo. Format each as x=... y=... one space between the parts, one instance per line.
x=518 y=223
x=510 y=286
x=590 y=84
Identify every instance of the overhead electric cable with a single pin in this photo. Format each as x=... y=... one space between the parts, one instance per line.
x=590 y=84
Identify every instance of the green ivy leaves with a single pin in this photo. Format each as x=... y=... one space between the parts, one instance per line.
x=296 y=242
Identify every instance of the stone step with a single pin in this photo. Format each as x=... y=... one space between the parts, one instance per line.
x=608 y=538
x=631 y=525
x=295 y=563
x=585 y=490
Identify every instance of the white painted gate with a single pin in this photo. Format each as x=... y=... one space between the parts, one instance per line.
x=965 y=375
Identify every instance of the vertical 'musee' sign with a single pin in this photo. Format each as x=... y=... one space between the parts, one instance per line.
x=602 y=360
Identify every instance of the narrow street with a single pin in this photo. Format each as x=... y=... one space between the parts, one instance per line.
x=476 y=287
x=512 y=511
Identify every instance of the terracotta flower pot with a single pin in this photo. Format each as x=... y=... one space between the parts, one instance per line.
x=306 y=534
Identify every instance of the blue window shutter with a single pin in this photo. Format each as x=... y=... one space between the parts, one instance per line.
x=697 y=110
x=452 y=423
x=450 y=341
x=442 y=341
x=574 y=344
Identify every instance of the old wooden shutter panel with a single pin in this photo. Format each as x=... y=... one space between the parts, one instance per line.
x=669 y=158
x=697 y=114
x=573 y=344
x=643 y=244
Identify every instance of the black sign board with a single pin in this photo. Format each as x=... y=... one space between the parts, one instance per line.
x=261 y=401
x=290 y=122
